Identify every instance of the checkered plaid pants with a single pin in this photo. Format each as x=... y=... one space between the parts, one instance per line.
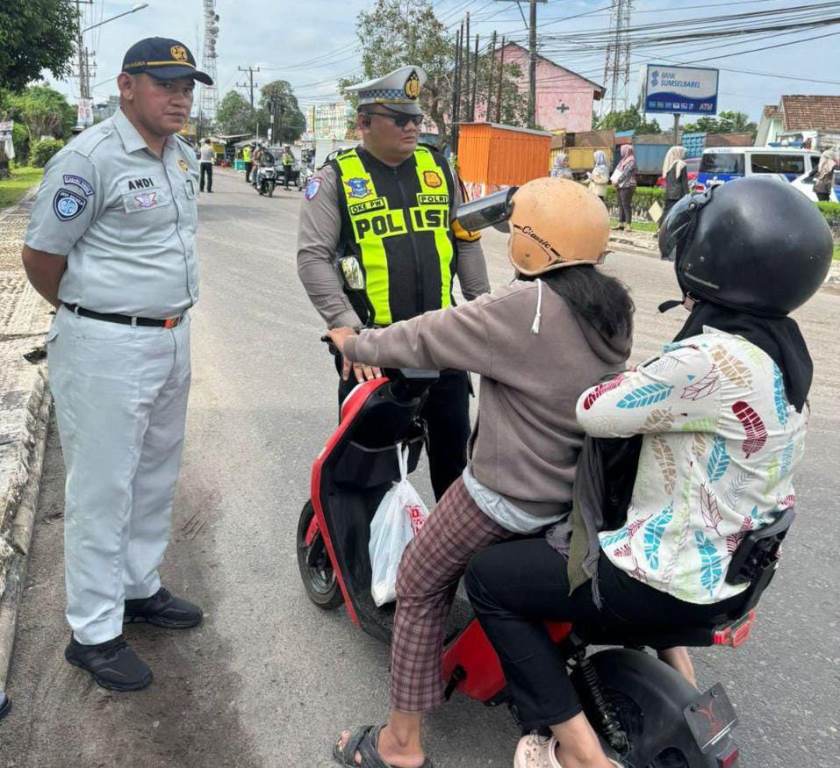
x=431 y=566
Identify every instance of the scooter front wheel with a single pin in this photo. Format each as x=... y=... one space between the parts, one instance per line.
x=316 y=570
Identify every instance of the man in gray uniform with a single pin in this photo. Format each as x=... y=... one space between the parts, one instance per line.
x=377 y=244
x=111 y=244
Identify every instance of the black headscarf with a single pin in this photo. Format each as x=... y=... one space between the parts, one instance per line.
x=779 y=337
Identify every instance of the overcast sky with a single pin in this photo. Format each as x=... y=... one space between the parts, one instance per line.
x=282 y=37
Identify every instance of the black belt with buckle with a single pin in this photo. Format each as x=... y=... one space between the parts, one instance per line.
x=168 y=322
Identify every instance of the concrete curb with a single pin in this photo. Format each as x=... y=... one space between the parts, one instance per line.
x=21 y=504
x=19 y=499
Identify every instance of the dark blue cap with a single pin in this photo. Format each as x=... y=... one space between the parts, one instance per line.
x=164 y=59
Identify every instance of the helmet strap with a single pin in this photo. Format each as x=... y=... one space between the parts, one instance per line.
x=670 y=304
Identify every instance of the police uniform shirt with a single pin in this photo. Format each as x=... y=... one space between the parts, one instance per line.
x=124 y=218
x=319 y=235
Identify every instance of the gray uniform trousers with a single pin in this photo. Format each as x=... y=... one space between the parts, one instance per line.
x=121 y=401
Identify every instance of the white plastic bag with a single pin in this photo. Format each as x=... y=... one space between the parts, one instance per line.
x=398 y=519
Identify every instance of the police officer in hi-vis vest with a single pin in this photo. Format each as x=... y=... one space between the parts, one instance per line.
x=377 y=245
x=111 y=244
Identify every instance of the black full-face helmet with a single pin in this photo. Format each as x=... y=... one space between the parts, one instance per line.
x=755 y=244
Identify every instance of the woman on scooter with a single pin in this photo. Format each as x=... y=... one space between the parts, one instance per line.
x=723 y=413
x=537 y=343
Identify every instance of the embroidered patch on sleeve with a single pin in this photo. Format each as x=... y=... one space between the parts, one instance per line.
x=81 y=183
x=67 y=204
x=312 y=188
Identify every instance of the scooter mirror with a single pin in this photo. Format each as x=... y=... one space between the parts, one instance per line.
x=490 y=211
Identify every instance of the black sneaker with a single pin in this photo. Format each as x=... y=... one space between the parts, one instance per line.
x=113 y=664
x=163 y=610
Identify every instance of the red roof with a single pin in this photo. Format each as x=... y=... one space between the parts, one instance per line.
x=770 y=111
x=811 y=113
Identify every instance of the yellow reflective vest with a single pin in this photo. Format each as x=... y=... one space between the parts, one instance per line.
x=396 y=221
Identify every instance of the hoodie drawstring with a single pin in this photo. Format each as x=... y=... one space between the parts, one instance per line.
x=535 y=326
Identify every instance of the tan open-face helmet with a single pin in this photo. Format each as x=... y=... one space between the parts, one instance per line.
x=556 y=223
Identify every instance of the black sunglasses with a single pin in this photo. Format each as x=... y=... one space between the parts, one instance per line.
x=400 y=120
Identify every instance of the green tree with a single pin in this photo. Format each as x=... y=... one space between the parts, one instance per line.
x=399 y=32
x=234 y=114
x=35 y=35
x=44 y=112
x=280 y=108
x=629 y=120
x=725 y=122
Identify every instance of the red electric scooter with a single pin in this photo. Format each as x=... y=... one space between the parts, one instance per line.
x=645 y=711
x=642 y=709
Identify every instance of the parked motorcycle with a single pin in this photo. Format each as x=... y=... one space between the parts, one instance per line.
x=645 y=711
x=266 y=180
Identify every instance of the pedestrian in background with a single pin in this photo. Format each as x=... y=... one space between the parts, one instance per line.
x=676 y=178
x=599 y=176
x=247 y=152
x=624 y=180
x=824 y=175
x=560 y=169
x=206 y=166
x=111 y=245
x=288 y=160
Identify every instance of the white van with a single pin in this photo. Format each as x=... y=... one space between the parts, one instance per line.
x=722 y=164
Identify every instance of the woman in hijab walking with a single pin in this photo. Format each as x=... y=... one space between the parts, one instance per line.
x=676 y=178
x=599 y=176
x=624 y=179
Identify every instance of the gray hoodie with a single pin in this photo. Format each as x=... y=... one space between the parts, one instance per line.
x=535 y=358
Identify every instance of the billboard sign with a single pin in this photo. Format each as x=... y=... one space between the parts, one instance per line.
x=687 y=90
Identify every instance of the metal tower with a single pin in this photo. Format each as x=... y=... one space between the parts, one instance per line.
x=208 y=99
x=617 y=67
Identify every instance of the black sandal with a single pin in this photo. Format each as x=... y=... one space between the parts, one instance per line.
x=364 y=740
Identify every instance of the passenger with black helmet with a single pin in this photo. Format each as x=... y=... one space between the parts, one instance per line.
x=723 y=413
x=537 y=343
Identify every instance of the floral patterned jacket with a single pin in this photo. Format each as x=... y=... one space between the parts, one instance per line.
x=720 y=448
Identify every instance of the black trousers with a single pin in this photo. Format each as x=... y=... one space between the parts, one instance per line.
x=517 y=586
x=625 y=204
x=206 y=172
x=447 y=416
x=248 y=167
x=823 y=197
x=287 y=174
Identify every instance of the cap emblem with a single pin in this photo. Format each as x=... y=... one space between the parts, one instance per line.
x=179 y=53
x=412 y=85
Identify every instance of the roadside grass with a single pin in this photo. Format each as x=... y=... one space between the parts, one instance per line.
x=13 y=189
x=644 y=226
x=837 y=251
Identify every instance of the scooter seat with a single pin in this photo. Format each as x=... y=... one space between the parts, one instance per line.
x=732 y=633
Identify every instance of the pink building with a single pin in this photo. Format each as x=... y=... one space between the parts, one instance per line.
x=564 y=99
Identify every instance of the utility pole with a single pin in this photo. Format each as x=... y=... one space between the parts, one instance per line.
x=532 y=66
x=475 y=81
x=490 y=78
x=467 y=86
x=84 y=69
x=501 y=81
x=456 y=88
x=249 y=85
x=532 y=61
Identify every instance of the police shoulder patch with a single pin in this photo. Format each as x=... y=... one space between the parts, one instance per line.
x=67 y=204
x=312 y=187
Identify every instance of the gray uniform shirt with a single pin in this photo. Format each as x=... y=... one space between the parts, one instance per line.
x=124 y=218
x=319 y=234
